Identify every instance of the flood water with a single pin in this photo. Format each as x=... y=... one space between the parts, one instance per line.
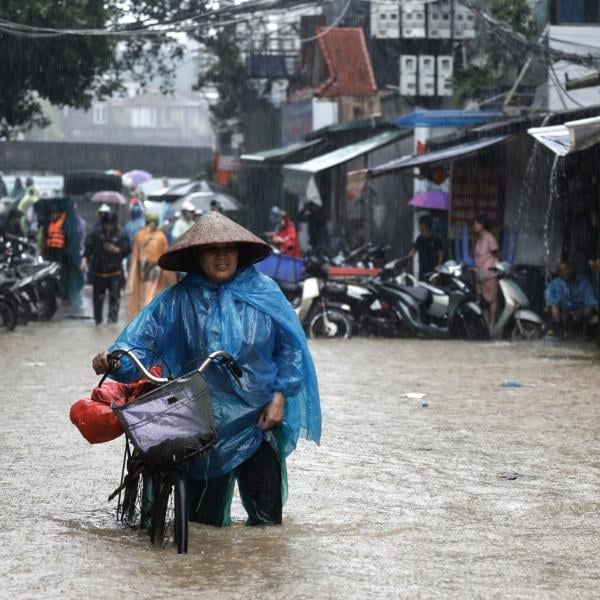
x=487 y=491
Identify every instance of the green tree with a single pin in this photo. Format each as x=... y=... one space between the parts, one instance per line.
x=229 y=76
x=490 y=63
x=72 y=70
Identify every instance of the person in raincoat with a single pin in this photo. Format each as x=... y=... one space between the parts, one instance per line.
x=284 y=237
x=18 y=190
x=185 y=220
x=25 y=204
x=146 y=279
x=224 y=303
x=135 y=223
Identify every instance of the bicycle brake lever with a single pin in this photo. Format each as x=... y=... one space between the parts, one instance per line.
x=235 y=369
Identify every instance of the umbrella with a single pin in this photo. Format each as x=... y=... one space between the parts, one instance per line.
x=137 y=177
x=432 y=199
x=202 y=200
x=108 y=197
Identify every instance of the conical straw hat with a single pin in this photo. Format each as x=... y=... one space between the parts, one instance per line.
x=212 y=228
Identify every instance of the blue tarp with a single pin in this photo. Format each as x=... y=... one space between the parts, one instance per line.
x=446 y=118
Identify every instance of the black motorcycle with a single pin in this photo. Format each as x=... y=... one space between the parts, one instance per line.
x=28 y=283
x=447 y=306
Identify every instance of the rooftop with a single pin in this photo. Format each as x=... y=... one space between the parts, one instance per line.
x=348 y=63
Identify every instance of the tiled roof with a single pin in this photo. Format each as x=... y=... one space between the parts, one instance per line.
x=348 y=62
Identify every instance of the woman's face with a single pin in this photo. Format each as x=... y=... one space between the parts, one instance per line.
x=152 y=225
x=477 y=227
x=219 y=261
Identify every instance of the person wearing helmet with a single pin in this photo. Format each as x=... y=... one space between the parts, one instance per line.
x=103 y=210
x=105 y=249
x=185 y=221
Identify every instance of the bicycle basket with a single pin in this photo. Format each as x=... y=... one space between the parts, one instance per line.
x=171 y=423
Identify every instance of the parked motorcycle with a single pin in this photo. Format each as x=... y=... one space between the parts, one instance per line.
x=369 y=255
x=319 y=316
x=371 y=313
x=435 y=311
x=515 y=321
x=8 y=314
x=28 y=283
x=453 y=301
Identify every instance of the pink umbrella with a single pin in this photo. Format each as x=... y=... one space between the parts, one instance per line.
x=108 y=197
x=432 y=199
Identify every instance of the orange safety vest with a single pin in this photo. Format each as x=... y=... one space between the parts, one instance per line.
x=56 y=237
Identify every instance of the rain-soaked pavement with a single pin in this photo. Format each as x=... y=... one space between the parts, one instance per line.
x=487 y=491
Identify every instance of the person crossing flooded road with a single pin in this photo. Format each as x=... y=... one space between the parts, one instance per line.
x=224 y=303
x=105 y=249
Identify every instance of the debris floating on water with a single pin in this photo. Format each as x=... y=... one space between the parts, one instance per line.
x=414 y=396
x=509 y=475
x=511 y=383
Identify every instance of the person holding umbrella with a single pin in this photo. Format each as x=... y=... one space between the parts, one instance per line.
x=428 y=246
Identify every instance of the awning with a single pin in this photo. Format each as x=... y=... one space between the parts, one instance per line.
x=446 y=118
x=279 y=155
x=345 y=154
x=570 y=137
x=437 y=156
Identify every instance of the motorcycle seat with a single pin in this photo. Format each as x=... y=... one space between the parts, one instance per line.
x=418 y=293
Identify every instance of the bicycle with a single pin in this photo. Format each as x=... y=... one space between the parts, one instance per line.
x=167 y=427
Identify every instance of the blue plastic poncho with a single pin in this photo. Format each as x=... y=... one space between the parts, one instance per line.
x=250 y=318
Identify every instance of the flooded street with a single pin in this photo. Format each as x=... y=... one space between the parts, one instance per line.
x=476 y=490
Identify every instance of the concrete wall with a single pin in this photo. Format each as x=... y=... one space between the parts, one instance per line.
x=61 y=157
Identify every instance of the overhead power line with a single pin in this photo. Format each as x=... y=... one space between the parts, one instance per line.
x=219 y=17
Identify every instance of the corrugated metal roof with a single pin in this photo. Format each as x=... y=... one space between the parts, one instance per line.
x=443 y=155
x=344 y=154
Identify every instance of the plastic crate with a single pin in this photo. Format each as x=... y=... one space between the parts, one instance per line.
x=280 y=267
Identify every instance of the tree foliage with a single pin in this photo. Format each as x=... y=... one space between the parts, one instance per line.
x=72 y=70
x=490 y=64
x=229 y=76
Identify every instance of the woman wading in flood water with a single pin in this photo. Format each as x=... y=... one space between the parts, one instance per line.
x=224 y=303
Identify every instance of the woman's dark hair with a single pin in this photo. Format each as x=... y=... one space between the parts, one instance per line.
x=485 y=221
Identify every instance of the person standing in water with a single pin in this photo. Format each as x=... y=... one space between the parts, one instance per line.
x=224 y=303
x=146 y=279
x=487 y=256
x=105 y=249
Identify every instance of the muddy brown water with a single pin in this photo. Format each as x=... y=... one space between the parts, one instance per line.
x=485 y=492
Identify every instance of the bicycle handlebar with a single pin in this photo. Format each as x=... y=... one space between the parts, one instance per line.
x=230 y=363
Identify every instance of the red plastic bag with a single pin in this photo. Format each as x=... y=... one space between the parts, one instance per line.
x=94 y=416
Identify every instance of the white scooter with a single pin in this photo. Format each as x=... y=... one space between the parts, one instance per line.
x=515 y=320
x=320 y=317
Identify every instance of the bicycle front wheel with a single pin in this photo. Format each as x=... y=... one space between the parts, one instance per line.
x=169 y=521
x=181 y=514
